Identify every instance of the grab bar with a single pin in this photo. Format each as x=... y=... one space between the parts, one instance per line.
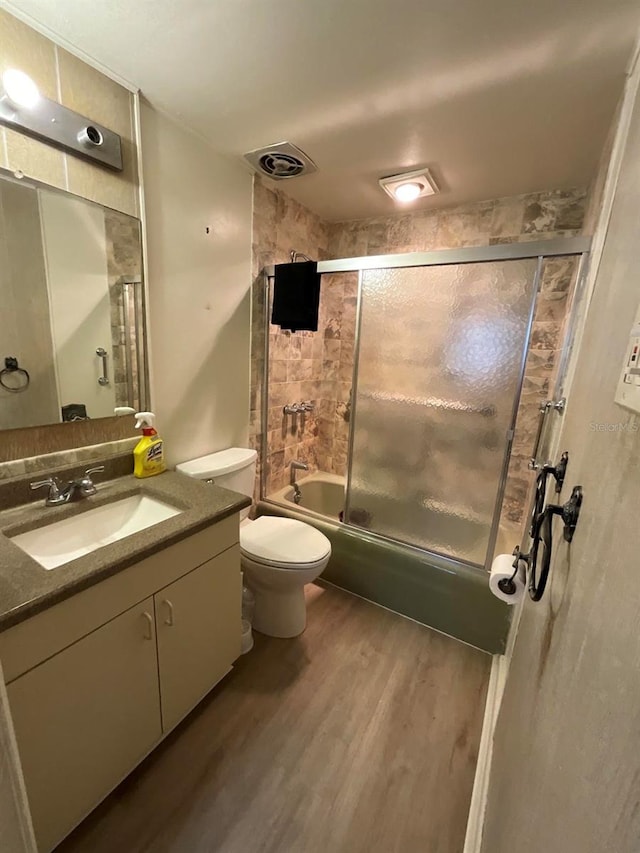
x=543 y=411
x=104 y=379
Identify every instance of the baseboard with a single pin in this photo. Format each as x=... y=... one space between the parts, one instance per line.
x=475 y=823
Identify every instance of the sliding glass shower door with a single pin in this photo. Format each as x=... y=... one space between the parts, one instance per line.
x=440 y=362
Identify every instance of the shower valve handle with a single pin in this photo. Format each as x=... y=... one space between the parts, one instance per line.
x=299 y=408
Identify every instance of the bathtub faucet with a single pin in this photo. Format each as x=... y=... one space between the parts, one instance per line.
x=296 y=466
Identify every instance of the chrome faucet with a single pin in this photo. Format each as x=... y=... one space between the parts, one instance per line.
x=82 y=487
x=296 y=466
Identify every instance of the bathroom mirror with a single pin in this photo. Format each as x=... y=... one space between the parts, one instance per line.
x=72 y=329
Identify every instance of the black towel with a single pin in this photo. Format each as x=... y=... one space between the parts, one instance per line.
x=296 y=296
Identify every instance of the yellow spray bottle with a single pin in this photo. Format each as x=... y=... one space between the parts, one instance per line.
x=148 y=454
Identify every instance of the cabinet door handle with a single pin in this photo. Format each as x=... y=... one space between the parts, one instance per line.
x=148 y=634
x=169 y=619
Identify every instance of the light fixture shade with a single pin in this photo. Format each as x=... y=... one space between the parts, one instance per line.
x=20 y=88
x=409 y=186
x=408 y=191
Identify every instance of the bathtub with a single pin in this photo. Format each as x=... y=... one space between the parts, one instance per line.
x=436 y=591
x=322 y=495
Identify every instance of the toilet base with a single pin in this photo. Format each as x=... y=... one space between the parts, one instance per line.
x=280 y=607
x=280 y=613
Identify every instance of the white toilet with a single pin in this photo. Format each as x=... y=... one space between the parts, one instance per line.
x=279 y=555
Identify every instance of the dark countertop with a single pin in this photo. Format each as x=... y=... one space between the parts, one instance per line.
x=26 y=588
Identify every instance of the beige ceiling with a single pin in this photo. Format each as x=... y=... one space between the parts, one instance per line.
x=497 y=97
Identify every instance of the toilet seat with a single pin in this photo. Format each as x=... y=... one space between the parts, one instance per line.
x=283 y=567
x=283 y=543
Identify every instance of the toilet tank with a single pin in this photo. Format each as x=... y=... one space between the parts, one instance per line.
x=234 y=468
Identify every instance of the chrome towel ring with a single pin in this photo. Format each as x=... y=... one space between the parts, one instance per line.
x=13 y=369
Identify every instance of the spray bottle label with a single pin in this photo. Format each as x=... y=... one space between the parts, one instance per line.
x=154 y=454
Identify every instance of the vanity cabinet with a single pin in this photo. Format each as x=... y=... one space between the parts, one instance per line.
x=85 y=717
x=190 y=629
x=96 y=681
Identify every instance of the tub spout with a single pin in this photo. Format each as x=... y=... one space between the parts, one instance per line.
x=296 y=466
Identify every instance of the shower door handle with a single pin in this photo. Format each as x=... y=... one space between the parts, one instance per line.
x=543 y=411
x=104 y=379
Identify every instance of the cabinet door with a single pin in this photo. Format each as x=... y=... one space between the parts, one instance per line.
x=199 y=633
x=84 y=718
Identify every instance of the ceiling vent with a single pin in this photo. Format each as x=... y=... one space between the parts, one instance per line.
x=281 y=161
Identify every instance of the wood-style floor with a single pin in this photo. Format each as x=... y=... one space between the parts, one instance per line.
x=360 y=735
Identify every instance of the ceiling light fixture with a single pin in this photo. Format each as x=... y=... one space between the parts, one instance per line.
x=409 y=186
x=20 y=89
x=407 y=192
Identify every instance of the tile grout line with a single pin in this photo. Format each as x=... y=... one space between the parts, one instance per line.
x=59 y=97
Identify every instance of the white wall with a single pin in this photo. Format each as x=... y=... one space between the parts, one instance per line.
x=565 y=762
x=75 y=245
x=199 y=289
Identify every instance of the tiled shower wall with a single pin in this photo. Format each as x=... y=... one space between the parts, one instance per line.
x=338 y=320
x=305 y=365
x=314 y=367
x=296 y=360
x=558 y=213
x=124 y=259
x=281 y=224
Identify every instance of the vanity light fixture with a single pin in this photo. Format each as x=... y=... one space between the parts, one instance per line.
x=24 y=109
x=20 y=89
x=409 y=186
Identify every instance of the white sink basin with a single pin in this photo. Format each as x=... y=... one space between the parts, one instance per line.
x=62 y=541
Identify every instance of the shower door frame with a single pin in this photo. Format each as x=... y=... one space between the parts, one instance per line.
x=538 y=250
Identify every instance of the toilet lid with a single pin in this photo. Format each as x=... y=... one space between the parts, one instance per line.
x=283 y=540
